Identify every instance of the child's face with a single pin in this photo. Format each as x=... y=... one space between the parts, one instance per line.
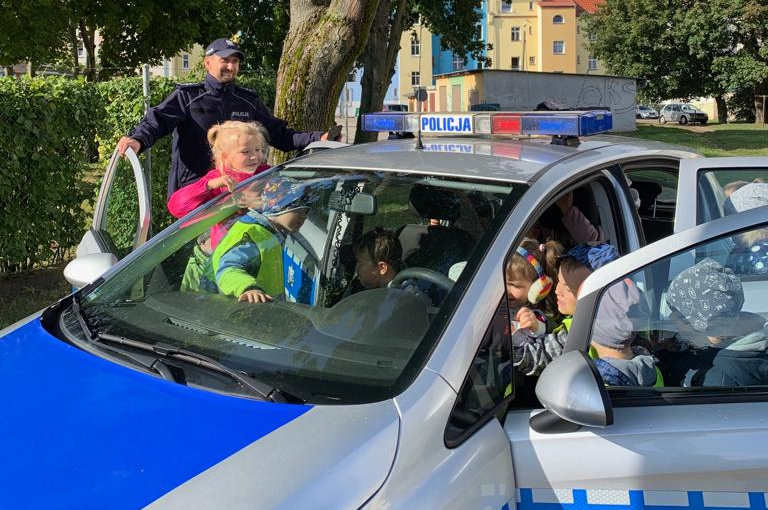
x=245 y=155
x=566 y=297
x=517 y=289
x=371 y=274
x=291 y=220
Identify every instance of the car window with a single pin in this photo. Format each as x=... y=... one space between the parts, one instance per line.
x=728 y=191
x=656 y=196
x=489 y=382
x=362 y=275
x=697 y=319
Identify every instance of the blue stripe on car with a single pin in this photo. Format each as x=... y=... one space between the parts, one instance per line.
x=78 y=431
x=581 y=499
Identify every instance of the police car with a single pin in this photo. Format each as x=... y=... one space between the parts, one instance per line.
x=135 y=393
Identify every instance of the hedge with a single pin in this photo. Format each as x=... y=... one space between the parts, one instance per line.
x=56 y=136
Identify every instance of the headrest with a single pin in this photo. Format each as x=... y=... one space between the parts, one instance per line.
x=435 y=203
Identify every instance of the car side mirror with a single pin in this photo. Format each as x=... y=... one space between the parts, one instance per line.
x=86 y=269
x=570 y=388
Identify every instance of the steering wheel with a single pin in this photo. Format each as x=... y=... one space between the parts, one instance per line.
x=422 y=273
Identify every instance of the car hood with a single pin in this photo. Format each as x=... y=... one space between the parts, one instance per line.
x=79 y=431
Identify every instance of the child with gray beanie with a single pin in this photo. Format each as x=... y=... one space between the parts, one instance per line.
x=708 y=297
x=750 y=255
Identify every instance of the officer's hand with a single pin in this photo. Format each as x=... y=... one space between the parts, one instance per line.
x=333 y=134
x=223 y=181
x=255 y=296
x=126 y=142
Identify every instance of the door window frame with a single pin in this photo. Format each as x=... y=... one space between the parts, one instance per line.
x=599 y=281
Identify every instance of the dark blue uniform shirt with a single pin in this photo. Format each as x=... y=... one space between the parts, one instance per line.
x=190 y=110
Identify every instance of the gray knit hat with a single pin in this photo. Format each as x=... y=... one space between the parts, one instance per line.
x=623 y=311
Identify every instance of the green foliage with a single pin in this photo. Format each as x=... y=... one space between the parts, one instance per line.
x=263 y=26
x=684 y=48
x=56 y=137
x=455 y=21
x=46 y=135
x=31 y=30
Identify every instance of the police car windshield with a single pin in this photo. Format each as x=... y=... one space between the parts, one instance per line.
x=357 y=271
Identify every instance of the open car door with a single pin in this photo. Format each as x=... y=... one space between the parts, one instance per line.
x=693 y=434
x=119 y=226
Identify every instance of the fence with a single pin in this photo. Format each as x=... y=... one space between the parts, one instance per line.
x=56 y=135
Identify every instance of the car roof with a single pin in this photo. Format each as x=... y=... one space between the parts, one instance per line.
x=475 y=157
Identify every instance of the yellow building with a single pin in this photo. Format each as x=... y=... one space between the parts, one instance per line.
x=180 y=65
x=520 y=35
x=415 y=61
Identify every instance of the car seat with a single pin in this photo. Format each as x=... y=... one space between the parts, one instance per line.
x=436 y=247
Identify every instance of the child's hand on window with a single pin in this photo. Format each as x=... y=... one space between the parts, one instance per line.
x=255 y=296
x=221 y=182
x=527 y=319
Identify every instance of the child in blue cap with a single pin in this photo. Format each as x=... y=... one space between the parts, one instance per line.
x=248 y=262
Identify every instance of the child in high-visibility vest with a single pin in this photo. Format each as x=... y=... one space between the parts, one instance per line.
x=248 y=262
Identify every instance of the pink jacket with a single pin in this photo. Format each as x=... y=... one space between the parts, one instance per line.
x=192 y=196
x=581 y=230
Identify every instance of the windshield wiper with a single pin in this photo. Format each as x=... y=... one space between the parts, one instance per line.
x=155 y=365
x=258 y=388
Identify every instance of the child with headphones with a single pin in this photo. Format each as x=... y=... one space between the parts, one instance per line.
x=531 y=300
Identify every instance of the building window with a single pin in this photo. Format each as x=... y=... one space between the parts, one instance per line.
x=506 y=6
x=185 y=61
x=415 y=78
x=515 y=33
x=558 y=20
x=530 y=29
x=578 y=29
x=415 y=46
x=592 y=63
x=531 y=61
x=515 y=63
x=458 y=63
x=591 y=37
x=80 y=51
x=558 y=47
x=578 y=60
x=530 y=6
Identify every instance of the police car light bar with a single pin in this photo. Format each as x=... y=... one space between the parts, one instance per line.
x=563 y=123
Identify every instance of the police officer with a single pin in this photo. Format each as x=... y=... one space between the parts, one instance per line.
x=192 y=109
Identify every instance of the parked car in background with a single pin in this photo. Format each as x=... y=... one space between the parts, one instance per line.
x=485 y=107
x=682 y=113
x=645 y=112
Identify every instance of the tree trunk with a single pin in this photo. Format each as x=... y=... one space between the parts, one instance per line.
x=319 y=51
x=73 y=42
x=30 y=69
x=761 y=104
x=378 y=61
x=722 y=109
x=9 y=71
x=89 y=43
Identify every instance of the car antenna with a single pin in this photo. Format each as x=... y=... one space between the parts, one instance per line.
x=419 y=94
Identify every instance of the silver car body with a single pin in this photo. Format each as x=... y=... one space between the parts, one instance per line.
x=393 y=454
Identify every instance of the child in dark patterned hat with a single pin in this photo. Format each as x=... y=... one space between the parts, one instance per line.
x=708 y=298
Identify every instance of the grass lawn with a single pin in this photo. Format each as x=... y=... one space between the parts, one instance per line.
x=712 y=140
x=24 y=294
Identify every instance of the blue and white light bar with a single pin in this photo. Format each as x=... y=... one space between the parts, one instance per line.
x=563 y=123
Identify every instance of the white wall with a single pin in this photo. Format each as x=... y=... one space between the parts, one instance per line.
x=523 y=90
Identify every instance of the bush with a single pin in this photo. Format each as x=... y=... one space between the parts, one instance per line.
x=56 y=137
x=47 y=129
